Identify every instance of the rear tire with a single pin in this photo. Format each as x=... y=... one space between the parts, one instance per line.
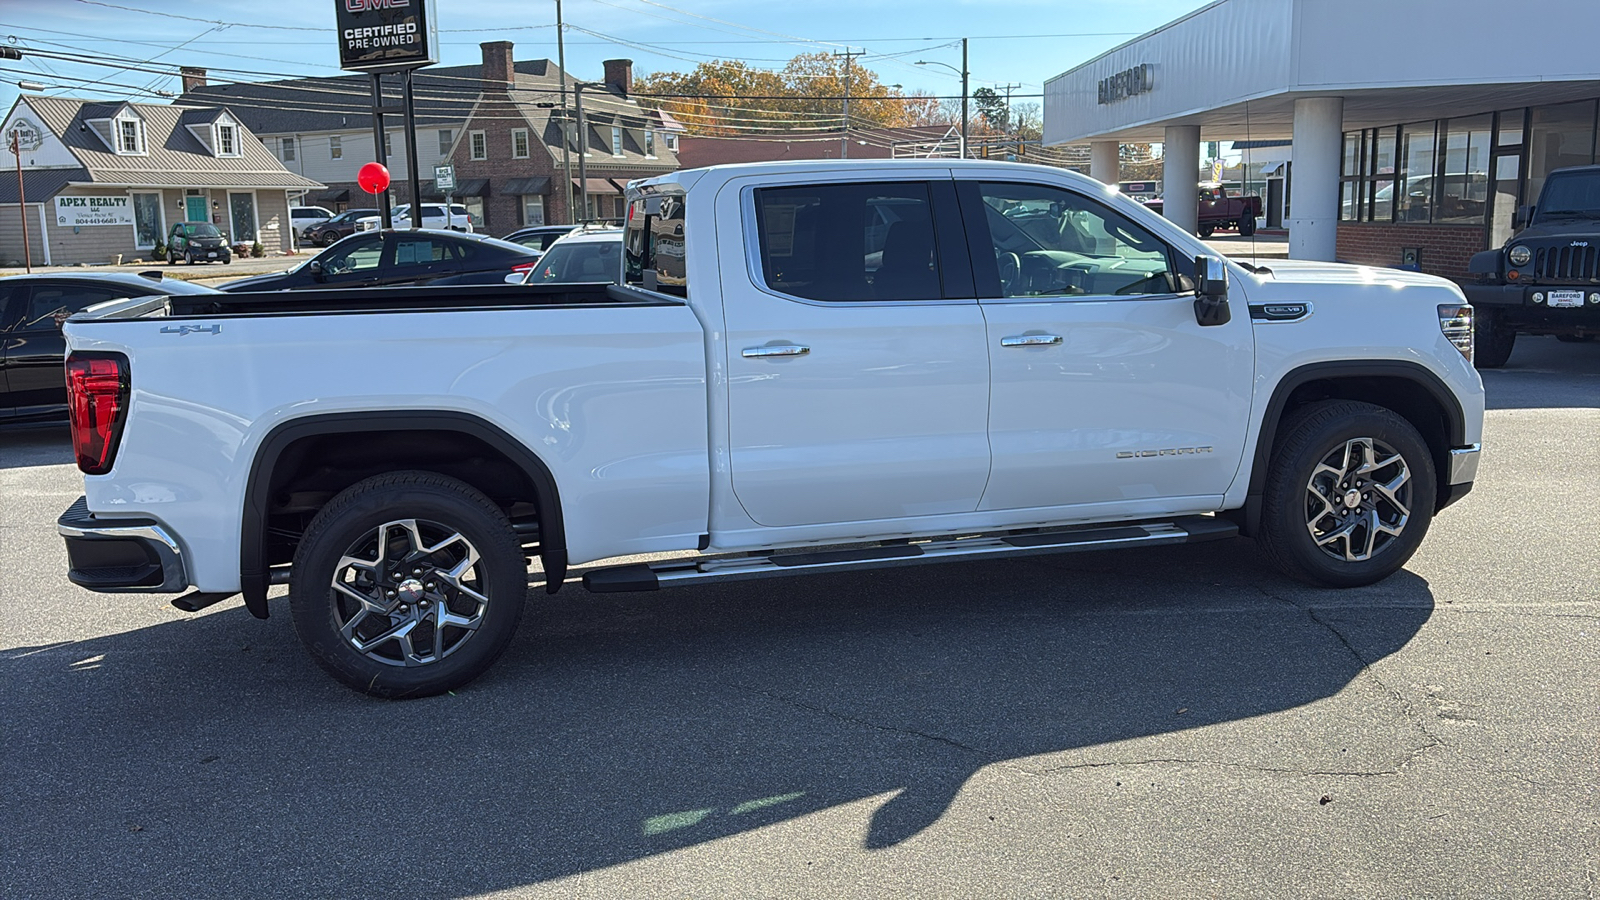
x=1350 y=493
x=1247 y=227
x=1492 y=339
x=408 y=584
x=1207 y=230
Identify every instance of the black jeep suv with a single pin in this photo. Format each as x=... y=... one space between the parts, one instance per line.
x=1546 y=279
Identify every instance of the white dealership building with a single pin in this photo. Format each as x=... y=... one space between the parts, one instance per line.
x=1418 y=126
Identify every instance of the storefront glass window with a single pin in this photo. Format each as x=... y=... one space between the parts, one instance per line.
x=1414 y=191
x=1382 y=168
x=146 y=220
x=1511 y=127
x=1559 y=136
x=1350 y=186
x=1464 y=183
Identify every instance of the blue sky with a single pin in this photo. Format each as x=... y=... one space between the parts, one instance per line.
x=1021 y=42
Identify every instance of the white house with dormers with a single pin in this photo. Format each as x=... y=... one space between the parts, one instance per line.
x=107 y=180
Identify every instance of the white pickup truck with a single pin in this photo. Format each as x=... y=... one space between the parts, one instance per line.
x=806 y=367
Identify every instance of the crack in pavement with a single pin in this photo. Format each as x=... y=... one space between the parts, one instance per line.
x=1336 y=773
x=1408 y=708
x=822 y=710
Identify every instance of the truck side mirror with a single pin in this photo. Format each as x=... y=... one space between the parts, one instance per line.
x=1210 y=292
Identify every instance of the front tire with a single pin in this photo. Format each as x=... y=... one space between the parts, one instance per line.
x=1206 y=231
x=407 y=585
x=1349 y=496
x=1247 y=226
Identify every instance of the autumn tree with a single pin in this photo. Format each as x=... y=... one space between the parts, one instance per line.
x=724 y=97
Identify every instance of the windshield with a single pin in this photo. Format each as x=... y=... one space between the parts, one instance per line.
x=585 y=261
x=201 y=229
x=1577 y=194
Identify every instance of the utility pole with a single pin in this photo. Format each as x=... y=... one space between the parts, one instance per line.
x=964 y=93
x=566 y=129
x=22 y=201
x=583 y=155
x=1008 y=88
x=844 y=139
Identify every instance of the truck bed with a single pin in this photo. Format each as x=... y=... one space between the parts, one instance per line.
x=424 y=298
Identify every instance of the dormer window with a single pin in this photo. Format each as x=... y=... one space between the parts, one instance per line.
x=130 y=136
x=227 y=141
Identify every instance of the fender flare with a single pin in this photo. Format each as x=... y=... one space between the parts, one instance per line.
x=1334 y=370
x=253 y=574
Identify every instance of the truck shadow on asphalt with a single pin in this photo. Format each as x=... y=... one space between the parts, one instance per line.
x=208 y=756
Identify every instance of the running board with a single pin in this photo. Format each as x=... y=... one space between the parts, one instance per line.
x=671 y=573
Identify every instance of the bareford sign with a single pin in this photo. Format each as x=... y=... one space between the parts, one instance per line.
x=386 y=35
x=1138 y=80
x=72 y=212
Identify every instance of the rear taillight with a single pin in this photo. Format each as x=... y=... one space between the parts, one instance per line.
x=525 y=267
x=97 y=401
x=1455 y=320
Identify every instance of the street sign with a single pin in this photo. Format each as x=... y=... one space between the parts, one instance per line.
x=386 y=35
x=444 y=178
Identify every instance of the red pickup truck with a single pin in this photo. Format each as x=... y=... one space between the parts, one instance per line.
x=1219 y=210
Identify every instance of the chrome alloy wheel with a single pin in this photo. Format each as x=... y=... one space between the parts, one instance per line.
x=409 y=593
x=1358 y=500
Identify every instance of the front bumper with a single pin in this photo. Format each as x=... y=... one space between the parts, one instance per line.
x=1463 y=472
x=120 y=556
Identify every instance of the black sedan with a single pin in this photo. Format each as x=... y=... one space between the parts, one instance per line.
x=341 y=226
x=540 y=237
x=32 y=347
x=423 y=256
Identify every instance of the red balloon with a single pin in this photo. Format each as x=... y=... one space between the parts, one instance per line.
x=373 y=178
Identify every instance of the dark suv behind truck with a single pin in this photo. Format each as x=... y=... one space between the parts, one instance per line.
x=1546 y=279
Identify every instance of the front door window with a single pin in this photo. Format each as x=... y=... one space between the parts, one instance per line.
x=1096 y=359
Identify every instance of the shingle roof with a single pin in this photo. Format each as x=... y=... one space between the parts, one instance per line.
x=174 y=157
x=444 y=96
x=41 y=184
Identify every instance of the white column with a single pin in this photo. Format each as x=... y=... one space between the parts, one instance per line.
x=1103 y=162
x=1314 y=181
x=1180 y=176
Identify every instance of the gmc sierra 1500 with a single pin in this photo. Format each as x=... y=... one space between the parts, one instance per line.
x=805 y=367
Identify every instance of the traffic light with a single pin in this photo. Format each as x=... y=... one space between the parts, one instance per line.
x=983 y=151
x=1022 y=149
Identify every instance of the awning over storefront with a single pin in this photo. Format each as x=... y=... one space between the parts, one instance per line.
x=334 y=197
x=596 y=186
x=520 y=187
x=465 y=187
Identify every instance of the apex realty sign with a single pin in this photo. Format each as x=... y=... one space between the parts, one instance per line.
x=72 y=212
x=384 y=35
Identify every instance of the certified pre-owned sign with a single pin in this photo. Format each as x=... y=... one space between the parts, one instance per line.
x=383 y=35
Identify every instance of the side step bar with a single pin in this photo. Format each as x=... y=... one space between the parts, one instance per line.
x=670 y=573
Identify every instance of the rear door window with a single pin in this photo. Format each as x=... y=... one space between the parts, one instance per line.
x=849 y=242
x=656 y=257
x=49 y=305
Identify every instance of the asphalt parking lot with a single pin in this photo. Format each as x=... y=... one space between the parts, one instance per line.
x=1174 y=722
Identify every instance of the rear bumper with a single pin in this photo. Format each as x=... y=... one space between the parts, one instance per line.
x=119 y=556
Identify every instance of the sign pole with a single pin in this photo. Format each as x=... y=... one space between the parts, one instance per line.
x=410 y=118
x=378 y=149
x=22 y=203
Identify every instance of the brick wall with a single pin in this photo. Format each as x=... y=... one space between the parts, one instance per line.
x=496 y=116
x=1446 y=249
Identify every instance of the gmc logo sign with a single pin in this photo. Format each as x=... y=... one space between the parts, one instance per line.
x=359 y=6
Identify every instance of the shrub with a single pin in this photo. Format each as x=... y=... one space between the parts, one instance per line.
x=159 y=252
x=257 y=250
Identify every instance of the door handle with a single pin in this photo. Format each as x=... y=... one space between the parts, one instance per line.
x=778 y=350
x=1030 y=340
